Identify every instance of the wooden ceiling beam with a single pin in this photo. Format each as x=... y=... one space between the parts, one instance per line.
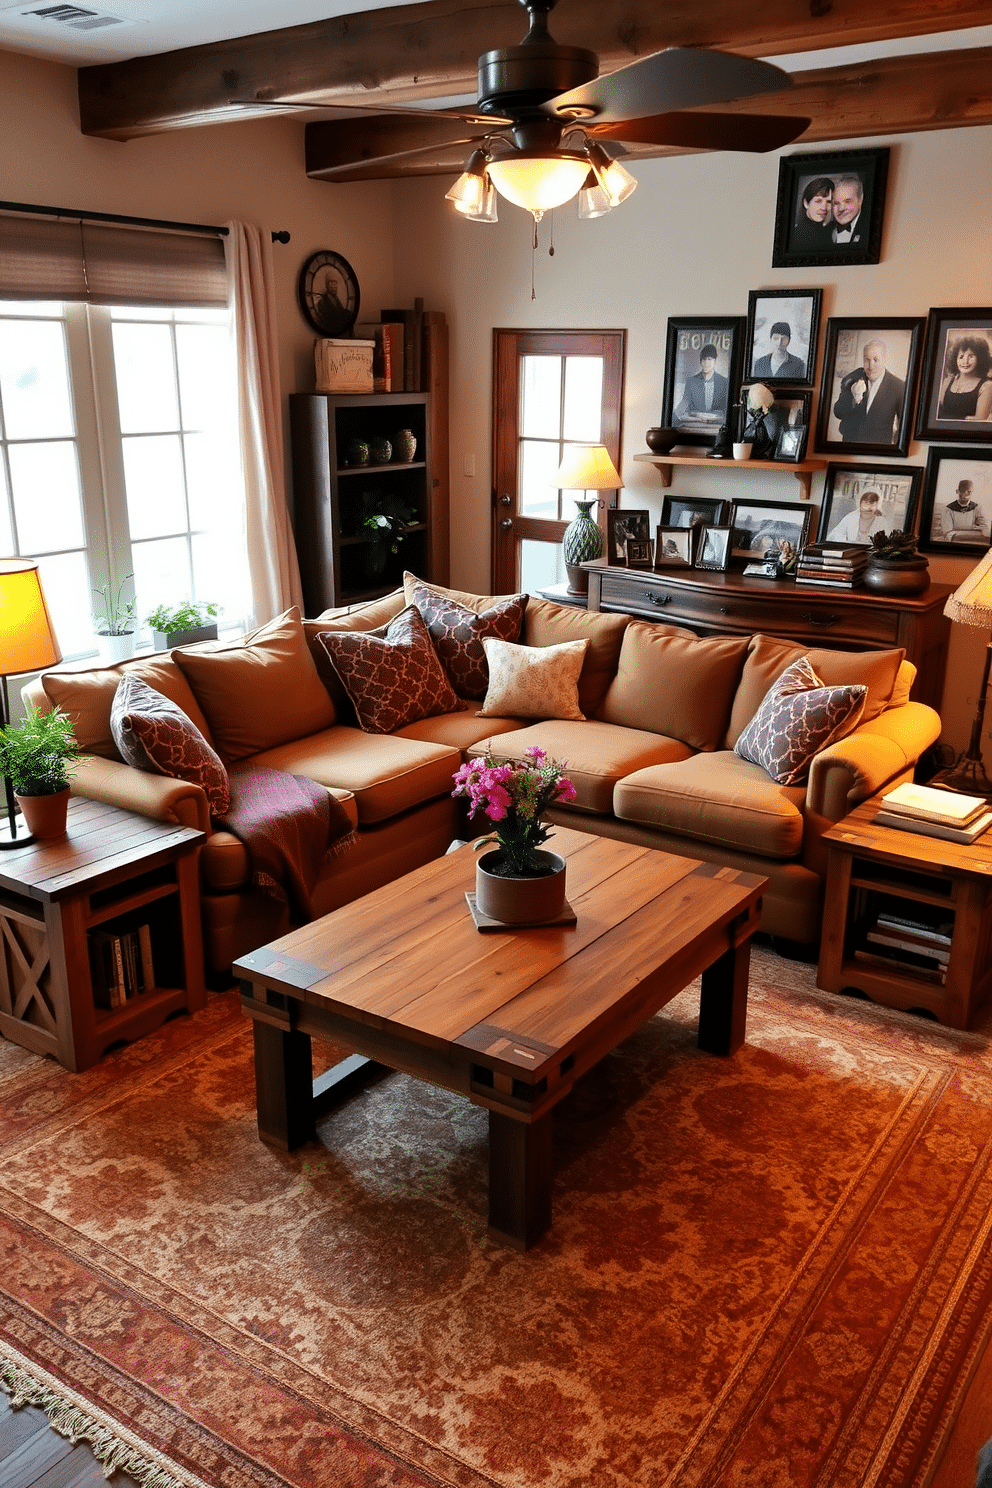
x=430 y=50
x=898 y=95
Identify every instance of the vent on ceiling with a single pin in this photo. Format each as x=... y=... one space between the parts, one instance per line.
x=75 y=17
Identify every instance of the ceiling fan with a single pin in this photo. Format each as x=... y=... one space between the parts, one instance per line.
x=547 y=127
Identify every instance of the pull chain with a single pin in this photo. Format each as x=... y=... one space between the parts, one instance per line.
x=551 y=250
x=533 y=255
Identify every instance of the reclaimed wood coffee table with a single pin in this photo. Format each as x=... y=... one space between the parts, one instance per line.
x=511 y=1019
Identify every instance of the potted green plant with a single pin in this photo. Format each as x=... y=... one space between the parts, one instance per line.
x=894 y=565
x=114 y=615
x=37 y=757
x=182 y=624
x=384 y=522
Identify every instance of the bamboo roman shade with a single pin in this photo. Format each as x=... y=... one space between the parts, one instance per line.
x=64 y=259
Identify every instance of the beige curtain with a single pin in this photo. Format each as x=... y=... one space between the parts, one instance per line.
x=275 y=574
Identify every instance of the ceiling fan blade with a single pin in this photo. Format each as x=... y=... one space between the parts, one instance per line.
x=690 y=131
x=681 y=77
x=351 y=150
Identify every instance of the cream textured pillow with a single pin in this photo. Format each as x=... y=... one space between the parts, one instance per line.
x=533 y=681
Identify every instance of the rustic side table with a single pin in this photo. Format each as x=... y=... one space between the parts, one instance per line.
x=872 y=867
x=112 y=870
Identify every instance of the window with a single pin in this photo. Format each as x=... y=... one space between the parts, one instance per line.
x=119 y=456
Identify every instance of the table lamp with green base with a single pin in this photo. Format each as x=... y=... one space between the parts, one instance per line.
x=27 y=644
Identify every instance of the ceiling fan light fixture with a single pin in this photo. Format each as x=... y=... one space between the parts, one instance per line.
x=470 y=190
x=593 y=200
x=539 y=181
x=615 y=179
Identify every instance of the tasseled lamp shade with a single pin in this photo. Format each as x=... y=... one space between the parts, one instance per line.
x=27 y=639
x=971 y=602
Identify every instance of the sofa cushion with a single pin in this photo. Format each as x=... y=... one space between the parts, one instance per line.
x=259 y=691
x=767 y=659
x=475 y=602
x=529 y=682
x=89 y=696
x=458 y=730
x=385 y=773
x=798 y=717
x=392 y=675
x=458 y=633
x=152 y=734
x=550 y=624
x=225 y=862
x=595 y=755
x=717 y=797
x=671 y=682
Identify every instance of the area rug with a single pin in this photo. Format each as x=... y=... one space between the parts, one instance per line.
x=773 y=1268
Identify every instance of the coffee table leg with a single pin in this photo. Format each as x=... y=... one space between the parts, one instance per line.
x=519 y=1179
x=283 y=1086
x=723 y=1001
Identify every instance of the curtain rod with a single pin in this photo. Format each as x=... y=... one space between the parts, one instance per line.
x=220 y=232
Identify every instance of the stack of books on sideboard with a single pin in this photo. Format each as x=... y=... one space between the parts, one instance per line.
x=832 y=565
x=934 y=813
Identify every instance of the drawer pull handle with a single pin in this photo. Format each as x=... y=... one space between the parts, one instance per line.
x=821 y=621
x=657 y=599
x=726 y=610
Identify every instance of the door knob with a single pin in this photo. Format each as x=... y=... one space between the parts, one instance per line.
x=505 y=523
x=506 y=499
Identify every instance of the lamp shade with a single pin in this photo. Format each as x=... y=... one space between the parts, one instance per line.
x=587 y=467
x=27 y=639
x=971 y=602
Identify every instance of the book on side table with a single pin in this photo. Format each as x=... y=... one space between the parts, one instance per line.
x=935 y=813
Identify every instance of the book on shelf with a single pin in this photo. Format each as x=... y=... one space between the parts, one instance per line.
x=884 y=958
x=927 y=803
x=927 y=932
x=894 y=941
x=925 y=828
x=828 y=583
x=120 y=965
x=836 y=550
x=831 y=567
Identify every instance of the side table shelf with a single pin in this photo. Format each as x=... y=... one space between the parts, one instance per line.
x=113 y=871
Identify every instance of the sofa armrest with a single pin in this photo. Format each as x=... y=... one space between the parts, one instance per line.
x=861 y=763
x=157 y=796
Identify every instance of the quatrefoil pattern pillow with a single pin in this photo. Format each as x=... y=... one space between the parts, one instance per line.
x=458 y=633
x=798 y=717
x=392 y=675
x=154 y=734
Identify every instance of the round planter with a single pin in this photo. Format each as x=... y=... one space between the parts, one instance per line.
x=660 y=441
x=45 y=815
x=118 y=647
x=520 y=901
x=899 y=576
x=404 y=446
x=581 y=541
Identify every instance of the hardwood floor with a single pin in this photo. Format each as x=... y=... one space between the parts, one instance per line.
x=32 y=1455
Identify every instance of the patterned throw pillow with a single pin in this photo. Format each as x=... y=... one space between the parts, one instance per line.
x=798 y=718
x=392 y=675
x=153 y=734
x=533 y=681
x=458 y=633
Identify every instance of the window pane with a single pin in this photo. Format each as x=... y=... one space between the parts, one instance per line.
x=70 y=601
x=34 y=380
x=161 y=573
x=141 y=312
x=541 y=565
x=218 y=579
x=583 y=398
x=153 y=477
x=540 y=397
x=31 y=307
x=47 y=508
x=6 y=531
x=538 y=466
x=202 y=353
x=146 y=378
x=213 y=482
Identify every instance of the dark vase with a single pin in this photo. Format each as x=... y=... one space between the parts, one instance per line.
x=661 y=441
x=404 y=445
x=380 y=451
x=897 y=576
x=581 y=541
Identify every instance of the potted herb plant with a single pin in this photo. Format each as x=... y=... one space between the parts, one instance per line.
x=519 y=883
x=182 y=624
x=37 y=757
x=384 y=521
x=115 y=615
x=894 y=565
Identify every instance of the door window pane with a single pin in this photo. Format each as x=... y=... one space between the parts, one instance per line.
x=583 y=415
x=540 y=397
x=47 y=509
x=156 y=491
x=34 y=380
x=538 y=465
x=146 y=378
x=541 y=565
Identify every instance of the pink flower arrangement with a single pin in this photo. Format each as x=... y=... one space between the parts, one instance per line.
x=514 y=796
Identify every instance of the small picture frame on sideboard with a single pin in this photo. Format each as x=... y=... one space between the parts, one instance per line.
x=673 y=547
x=621 y=527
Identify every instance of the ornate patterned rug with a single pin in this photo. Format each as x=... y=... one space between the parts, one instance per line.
x=774 y=1268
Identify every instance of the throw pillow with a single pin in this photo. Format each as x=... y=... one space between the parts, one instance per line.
x=458 y=633
x=533 y=681
x=153 y=734
x=392 y=675
x=798 y=718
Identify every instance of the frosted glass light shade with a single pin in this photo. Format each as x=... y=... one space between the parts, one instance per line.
x=538 y=182
x=587 y=467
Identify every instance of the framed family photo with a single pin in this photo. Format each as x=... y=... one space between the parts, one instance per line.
x=702 y=374
x=714 y=548
x=830 y=208
x=782 y=326
x=957 y=502
x=760 y=525
x=623 y=527
x=866 y=390
x=673 y=547
x=956 y=387
x=860 y=500
x=791 y=444
x=693 y=511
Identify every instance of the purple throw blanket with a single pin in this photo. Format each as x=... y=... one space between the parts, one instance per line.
x=289 y=825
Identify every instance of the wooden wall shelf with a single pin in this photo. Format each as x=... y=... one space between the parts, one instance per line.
x=803 y=470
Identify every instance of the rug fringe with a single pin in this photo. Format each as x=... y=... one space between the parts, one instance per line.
x=71 y=1421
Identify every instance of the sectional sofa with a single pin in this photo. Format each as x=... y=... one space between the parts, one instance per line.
x=648 y=738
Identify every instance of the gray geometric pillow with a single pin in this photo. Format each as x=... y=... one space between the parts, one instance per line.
x=153 y=734
x=798 y=717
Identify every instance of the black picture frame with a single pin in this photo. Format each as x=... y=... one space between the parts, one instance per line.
x=674 y=546
x=947 y=329
x=767 y=311
x=638 y=553
x=686 y=339
x=849 y=344
x=791 y=443
x=898 y=488
x=329 y=315
x=946 y=469
x=713 y=548
x=622 y=525
x=693 y=511
x=758 y=525
x=802 y=243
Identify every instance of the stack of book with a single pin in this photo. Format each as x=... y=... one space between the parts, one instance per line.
x=912 y=937
x=935 y=813
x=120 y=965
x=832 y=565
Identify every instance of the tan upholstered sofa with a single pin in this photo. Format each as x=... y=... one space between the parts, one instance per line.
x=652 y=759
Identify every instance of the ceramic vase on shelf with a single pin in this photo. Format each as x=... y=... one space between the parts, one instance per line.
x=526 y=900
x=380 y=450
x=897 y=576
x=356 y=452
x=581 y=541
x=404 y=446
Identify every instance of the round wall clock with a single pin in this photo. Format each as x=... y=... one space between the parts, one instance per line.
x=328 y=293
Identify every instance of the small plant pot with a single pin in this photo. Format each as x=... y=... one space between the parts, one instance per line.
x=118 y=647
x=45 y=815
x=165 y=640
x=897 y=576
x=520 y=901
